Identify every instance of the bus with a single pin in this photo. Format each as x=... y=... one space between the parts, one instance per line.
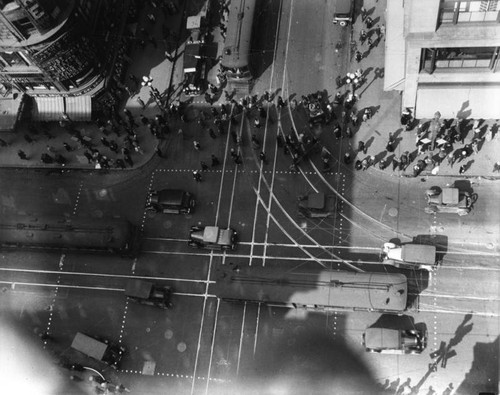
x=236 y=53
x=114 y=235
x=323 y=290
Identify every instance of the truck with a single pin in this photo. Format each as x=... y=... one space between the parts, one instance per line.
x=147 y=293
x=410 y=256
x=394 y=341
x=99 y=349
x=343 y=12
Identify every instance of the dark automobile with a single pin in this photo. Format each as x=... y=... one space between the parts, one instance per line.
x=394 y=341
x=173 y=201
x=99 y=349
x=147 y=293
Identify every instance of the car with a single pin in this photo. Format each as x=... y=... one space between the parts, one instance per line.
x=409 y=256
x=99 y=349
x=449 y=200
x=173 y=201
x=317 y=205
x=212 y=238
x=394 y=341
x=147 y=293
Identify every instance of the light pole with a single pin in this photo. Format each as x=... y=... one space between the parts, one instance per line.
x=154 y=93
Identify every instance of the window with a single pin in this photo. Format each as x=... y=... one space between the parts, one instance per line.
x=466 y=57
x=469 y=11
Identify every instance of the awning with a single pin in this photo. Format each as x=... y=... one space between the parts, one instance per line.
x=462 y=101
x=394 y=73
x=79 y=108
x=48 y=108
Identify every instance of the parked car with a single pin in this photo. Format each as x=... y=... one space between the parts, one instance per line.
x=173 y=201
x=394 y=341
x=317 y=205
x=99 y=349
x=343 y=12
x=212 y=237
x=410 y=256
x=147 y=293
x=449 y=200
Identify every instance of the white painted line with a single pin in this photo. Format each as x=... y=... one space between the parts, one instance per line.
x=212 y=345
x=256 y=329
x=242 y=332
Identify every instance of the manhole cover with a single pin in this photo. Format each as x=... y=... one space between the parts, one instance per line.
x=169 y=333
x=98 y=214
x=167 y=224
x=490 y=246
x=181 y=347
x=393 y=211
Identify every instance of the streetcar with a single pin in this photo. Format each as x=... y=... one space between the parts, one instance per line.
x=236 y=52
x=114 y=235
x=323 y=290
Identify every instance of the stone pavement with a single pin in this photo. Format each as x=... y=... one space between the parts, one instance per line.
x=386 y=109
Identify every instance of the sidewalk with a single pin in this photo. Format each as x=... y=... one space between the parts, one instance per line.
x=38 y=138
x=386 y=109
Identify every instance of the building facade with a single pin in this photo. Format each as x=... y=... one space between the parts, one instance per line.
x=444 y=56
x=57 y=52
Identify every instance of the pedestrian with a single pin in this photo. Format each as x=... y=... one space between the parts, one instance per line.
x=151 y=19
x=281 y=103
x=382 y=30
x=377 y=31
x=362 y=147
x=390 y=144
x=382 y=164
x=51 y=149
x=362 y=36
x=144 y=120
x=475 y=146
x=256 y=123
x=404 y=160
x=46 y=158
x=120 y=163
x=337 y=131
x=262 y=157
x=237 y=159
x=129 y=160
x=367 y=114
x=233 y=153
x=496 y=167
x=60 y=159
x=211 y=133
x=462 y=169
x=451 y=159
x=204 y=166
x=141 y=103
x=369 y=43
x=197 y=176
x=67 y=147
x=3 y=143
x=22 y=155
x=113 y=146
x=364 y=14
x=358 y=165
x=134 y=79
x=215 y=161
x=255 y=142
x=358 y=56
x=347 y=158
x=89 y=156
x=196 y=145
x=369 y=23
x=105 y=141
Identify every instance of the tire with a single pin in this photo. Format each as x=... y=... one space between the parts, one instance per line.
x=343 y=23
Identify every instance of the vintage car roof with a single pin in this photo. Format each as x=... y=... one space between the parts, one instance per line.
x=316 y=200
x=418 y=253
x=138 y=289
x=450 y=195
x=89 y=346
x=225 y=236
x=170 y=196
x=382 y=338
x=210 y=234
